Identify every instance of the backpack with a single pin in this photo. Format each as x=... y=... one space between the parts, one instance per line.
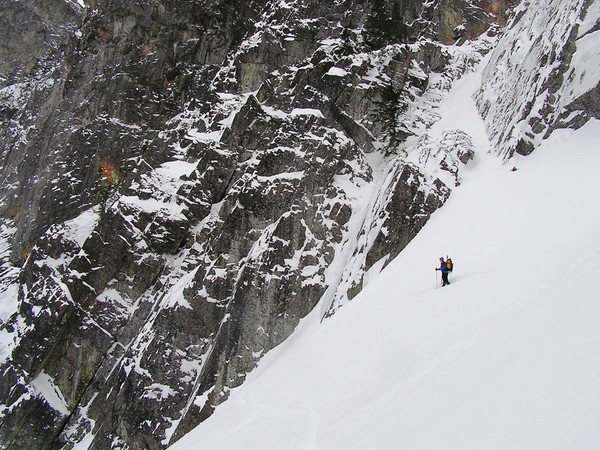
x=449 y=264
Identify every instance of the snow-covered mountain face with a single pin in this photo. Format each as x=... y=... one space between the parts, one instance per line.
x=184 y=181
x=543 y=75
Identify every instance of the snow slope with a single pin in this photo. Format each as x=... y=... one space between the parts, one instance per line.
x=507 y=357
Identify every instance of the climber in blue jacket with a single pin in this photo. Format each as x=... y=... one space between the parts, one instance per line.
x=444 y=268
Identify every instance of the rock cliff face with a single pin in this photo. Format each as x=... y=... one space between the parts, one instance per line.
x=541 y=73
x=185 y=180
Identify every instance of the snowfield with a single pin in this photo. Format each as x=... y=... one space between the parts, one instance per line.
x=506 y=357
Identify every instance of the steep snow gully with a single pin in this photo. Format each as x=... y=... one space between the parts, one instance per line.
x=504 y=358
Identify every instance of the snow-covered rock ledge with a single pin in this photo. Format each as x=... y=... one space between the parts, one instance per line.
x=543 y=75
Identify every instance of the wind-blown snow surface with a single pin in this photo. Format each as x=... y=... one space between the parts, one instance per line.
x=507 y=357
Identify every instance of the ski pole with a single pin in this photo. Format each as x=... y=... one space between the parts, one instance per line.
x=436 y=280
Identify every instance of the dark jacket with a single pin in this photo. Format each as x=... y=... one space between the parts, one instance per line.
x=443 y=267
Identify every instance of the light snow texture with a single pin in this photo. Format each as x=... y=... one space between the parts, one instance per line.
x=45 y=386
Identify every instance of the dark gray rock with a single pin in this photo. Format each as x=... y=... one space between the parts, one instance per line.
x=407 y=211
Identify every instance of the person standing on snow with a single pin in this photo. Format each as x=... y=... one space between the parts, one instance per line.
x=444 y=268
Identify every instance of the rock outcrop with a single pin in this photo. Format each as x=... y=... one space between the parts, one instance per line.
x=540 y=73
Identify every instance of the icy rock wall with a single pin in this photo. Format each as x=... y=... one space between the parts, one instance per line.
x=544 y=74
x=186 y=180
x=99 y=89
